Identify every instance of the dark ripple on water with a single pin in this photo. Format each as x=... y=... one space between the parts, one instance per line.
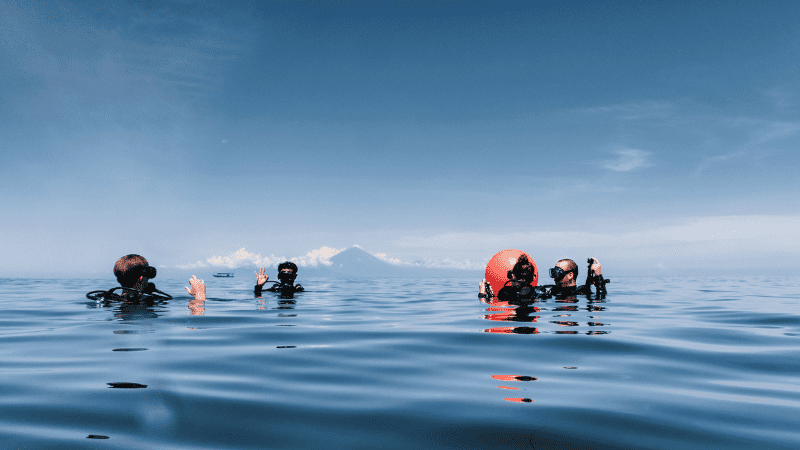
x=401 y=363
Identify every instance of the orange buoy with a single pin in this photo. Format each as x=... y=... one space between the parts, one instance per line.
x=501 y=263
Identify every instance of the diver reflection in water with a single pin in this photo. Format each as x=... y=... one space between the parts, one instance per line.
x=287 y=272
x=133 y=273
x=518 y=287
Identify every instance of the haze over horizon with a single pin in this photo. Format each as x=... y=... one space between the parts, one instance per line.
x=655 y=137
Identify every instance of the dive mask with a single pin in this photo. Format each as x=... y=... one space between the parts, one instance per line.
x=147 y=272
x=286 y=277
x=558 y=273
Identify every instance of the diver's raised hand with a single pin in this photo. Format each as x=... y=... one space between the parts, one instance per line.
x=595 y=268
x=261 y=277
x=198 y=290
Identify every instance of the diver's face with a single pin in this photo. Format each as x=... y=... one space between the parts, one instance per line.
x=568 y=279
x=287 y=275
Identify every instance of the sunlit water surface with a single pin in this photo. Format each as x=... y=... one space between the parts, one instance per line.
x=402 y=363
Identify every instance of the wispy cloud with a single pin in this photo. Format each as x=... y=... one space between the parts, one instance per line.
x=117 y=73
x=321 y=257
x=633 y=110
x=628 y=159
x=242 y=258
x=712 y=160
x=432 y=263
x=318 y=257
x=780 y=97
x=773 y=131
x=691 y=229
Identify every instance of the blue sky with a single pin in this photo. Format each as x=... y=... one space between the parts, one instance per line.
x=651 y=136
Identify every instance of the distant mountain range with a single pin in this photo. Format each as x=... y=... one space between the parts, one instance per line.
x=351 y=263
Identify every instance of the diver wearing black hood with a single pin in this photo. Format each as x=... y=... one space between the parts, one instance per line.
x=287 y=272
x=518 y=286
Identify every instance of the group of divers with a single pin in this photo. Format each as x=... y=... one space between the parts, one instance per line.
x=134 y=273
x=519 y=283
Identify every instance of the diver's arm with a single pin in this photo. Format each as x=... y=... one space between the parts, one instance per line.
x=298 y=288
x=595 y=277
x=261 y=278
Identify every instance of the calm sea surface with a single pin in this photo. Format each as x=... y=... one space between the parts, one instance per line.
x=660 y=363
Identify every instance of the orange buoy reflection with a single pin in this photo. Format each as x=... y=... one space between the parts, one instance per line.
x=502 y=311
x=514 y=378
x=567 y=311
x=513 y=330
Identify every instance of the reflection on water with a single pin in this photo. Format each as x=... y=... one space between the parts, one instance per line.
x=514 y=378
x=401 y=363
x=96 y=436
x=197 y=307
x=150 y=307
x=570 y=314
x=133 y=311
x=125 y=385
x=519 y=399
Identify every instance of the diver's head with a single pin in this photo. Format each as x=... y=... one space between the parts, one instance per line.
x=133 y=269
x=523 y=270
x=564 y=273
x=287 y=272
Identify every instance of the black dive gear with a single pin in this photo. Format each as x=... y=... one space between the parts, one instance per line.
x=519 y=290
x=597 y=280
x=140 y=287
x=287 y=272
x=131 y=294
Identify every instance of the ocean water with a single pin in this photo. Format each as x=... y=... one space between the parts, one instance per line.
x=661 y=363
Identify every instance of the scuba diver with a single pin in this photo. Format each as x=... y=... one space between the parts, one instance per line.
x=518 y=287
x=287 y=272
x=566 y=271
x=133 y=274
